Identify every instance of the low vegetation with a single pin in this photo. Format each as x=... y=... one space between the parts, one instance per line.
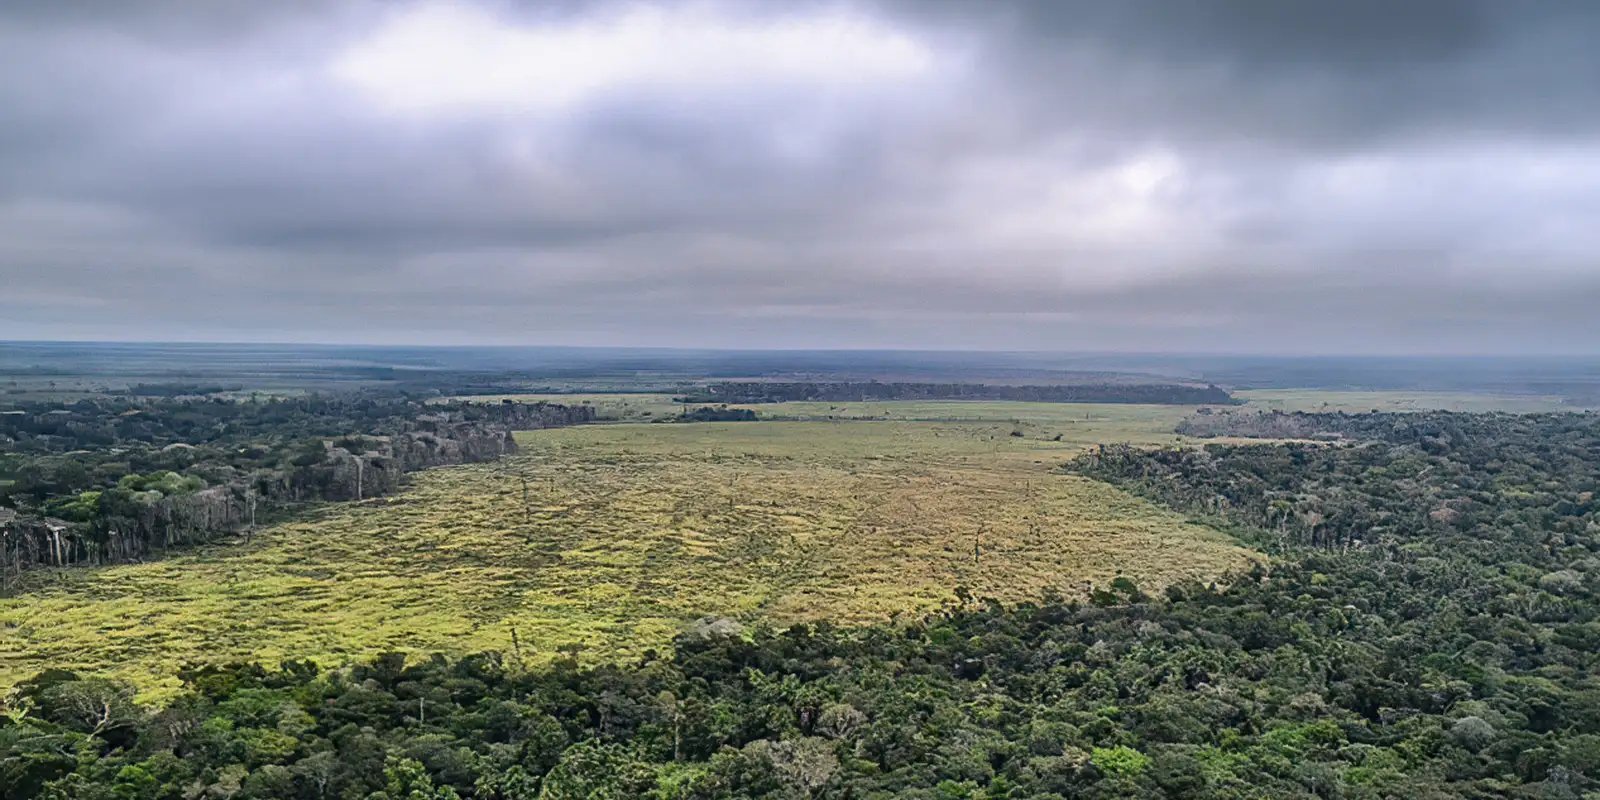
x=835 y=392
x=609 y=538
x=1077 y=423
x=1355 y=401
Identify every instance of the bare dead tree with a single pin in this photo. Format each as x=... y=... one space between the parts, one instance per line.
x=250 y=499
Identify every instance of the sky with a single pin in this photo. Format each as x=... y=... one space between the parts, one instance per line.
x=1262 y=176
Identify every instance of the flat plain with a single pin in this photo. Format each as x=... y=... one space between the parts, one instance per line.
x=648 y=406
x=606 y=539
x=1356 y=402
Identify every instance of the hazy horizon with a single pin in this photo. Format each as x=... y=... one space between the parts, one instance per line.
x=1575 y=357
x=1234 y=177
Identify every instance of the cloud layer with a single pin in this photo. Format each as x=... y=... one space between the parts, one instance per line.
x=1236 y=175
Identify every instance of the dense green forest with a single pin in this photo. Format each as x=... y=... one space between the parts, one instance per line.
x=718 y=414
x=1429 y=627
x=112 y=478
x=1408 y=428
x=779 y=392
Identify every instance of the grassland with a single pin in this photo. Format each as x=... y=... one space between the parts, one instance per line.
x=1360 y=401
x=645 y=407
x=608 y=538
x=1098 y=420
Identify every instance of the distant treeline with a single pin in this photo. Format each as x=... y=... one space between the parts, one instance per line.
x=718 y=414
x=1475 y=483
x=113 y=479
x=763 y=392
x=181 y=389
x=1407 y=427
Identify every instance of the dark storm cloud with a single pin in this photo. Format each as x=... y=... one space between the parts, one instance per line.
x=1220 y=175
x=1327 y=74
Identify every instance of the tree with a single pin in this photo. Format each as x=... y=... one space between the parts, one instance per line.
x=1120 y=761
x=591 y=770
x=407 y=779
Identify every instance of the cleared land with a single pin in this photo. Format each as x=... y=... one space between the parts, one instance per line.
x=645 y=407
x=1097 y=421
x=1360 y=401
x=629 y=530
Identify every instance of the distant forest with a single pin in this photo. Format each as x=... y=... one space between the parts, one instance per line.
x=34 y=367
x=778 y=392
x=717 y=414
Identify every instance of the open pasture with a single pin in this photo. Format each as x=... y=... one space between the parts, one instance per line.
x=607 y=539
x=1354 y=402
x=1097 y=420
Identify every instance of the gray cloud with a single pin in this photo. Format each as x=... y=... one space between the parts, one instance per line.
x=1230 y=175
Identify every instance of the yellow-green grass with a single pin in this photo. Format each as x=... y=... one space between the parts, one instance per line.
x=627 y=532
x=1358 y=401
x=639 y=407
x=1103 y=417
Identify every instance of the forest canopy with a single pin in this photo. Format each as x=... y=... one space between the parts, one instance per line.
x=108 y=479
x=1429 y=626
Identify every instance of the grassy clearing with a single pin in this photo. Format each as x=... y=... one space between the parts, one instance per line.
x=644 y=407
x=1101 y=419
x=1354 y=401
x=628 y=531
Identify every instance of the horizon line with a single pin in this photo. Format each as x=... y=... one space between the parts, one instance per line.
x=819 y=349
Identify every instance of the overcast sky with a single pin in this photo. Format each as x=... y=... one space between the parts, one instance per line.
x=1249 y=175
